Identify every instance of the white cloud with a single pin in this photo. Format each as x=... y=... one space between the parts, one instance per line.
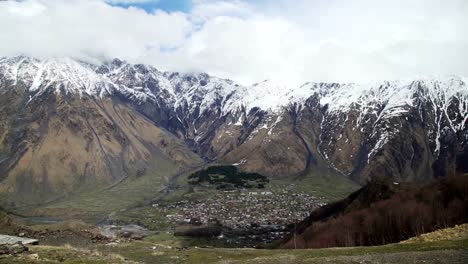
x=207 y=9
x=130 y=1
x=332 y=40
x=87 y=28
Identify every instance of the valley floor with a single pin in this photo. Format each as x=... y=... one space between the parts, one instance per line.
x=77 y=242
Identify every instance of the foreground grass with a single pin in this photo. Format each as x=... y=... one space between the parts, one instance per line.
x=163 y=249
x=142 y=251
x=64 y=254
x=458 y=232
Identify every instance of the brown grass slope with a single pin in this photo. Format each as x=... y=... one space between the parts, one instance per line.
x=60 y=144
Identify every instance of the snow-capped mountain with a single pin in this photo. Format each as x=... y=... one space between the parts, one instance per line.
x=408 y=130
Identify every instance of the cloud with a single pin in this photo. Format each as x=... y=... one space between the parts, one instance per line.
x=129 y=2
x=87 y=28
x=206 y=9
x=248 y=41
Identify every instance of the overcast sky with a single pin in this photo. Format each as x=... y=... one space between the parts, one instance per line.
x=249 y=41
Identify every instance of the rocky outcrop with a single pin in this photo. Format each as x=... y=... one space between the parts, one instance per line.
x=11 y=240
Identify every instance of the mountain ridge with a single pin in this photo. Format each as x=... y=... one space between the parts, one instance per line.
x=410 y=130
x=85 y=76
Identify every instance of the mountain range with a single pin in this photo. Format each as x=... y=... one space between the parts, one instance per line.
x=66 y=124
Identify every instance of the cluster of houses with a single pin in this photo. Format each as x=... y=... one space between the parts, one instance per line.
x=244 y=210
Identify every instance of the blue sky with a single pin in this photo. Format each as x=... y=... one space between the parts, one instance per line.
x=166 y=5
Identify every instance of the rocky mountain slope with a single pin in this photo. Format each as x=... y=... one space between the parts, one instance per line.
x=57 y=137
x=67 y=123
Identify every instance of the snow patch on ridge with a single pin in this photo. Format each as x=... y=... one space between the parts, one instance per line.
x=200 y=93
x=384 y=99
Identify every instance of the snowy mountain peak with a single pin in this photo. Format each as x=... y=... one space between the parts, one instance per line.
x=141 y=82
x=62 y=74
x=410 y=125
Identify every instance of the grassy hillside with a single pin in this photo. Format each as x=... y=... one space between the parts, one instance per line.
x=164 y=250
x=97 y=204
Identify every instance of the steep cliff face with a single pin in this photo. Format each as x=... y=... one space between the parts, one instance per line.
x=410 y=131
x=67 y=124
x=407 y=131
